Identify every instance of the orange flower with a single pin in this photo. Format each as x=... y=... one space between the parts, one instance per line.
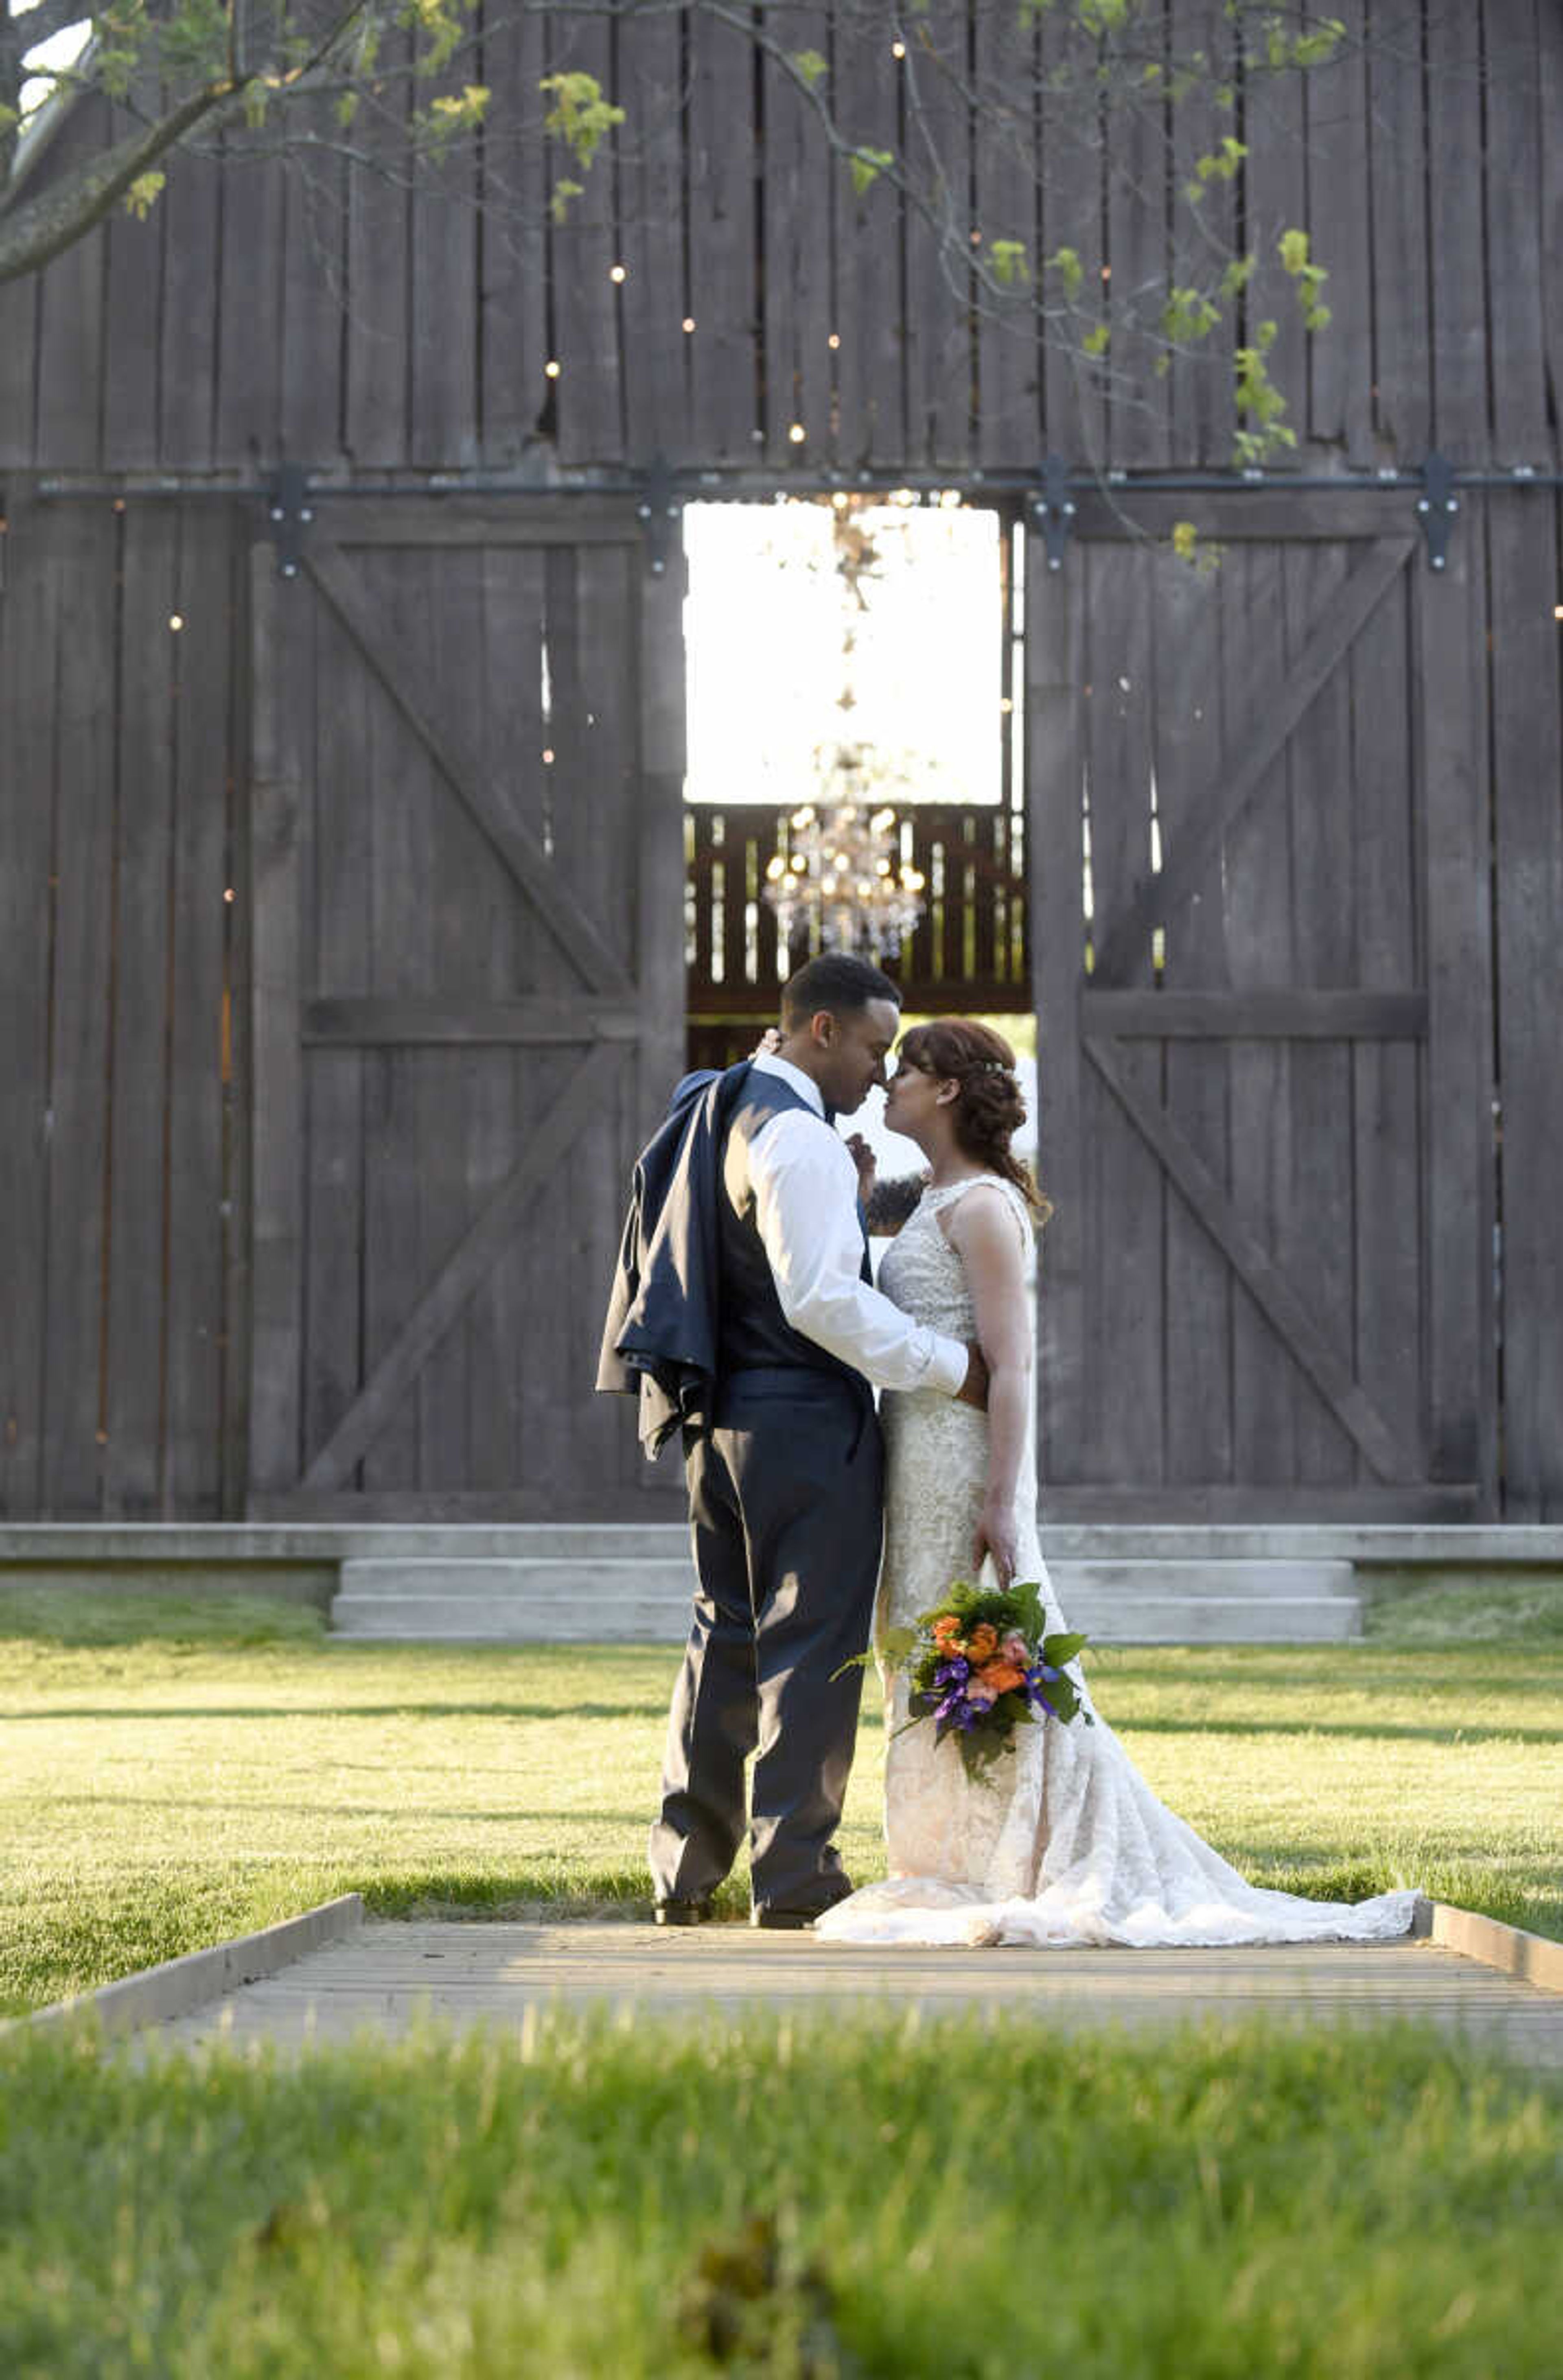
x=985 y=1639
x=1002 y=1676
x=946 y=1628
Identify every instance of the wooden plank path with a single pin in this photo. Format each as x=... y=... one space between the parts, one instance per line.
x=387 y=1974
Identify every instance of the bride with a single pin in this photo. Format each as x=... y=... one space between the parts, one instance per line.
x=1062 y=1842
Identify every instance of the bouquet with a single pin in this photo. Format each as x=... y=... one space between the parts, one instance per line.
x=980 y=1665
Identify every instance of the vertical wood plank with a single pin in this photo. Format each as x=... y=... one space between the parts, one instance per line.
x=443 y=408
x=1339 y=366
x=281 y=723
x=1136 y=253
x=191 y=255
x=71 y=347
x=1519 y=268
x=192 y=1485
x=725 y=424
x=1528 y=820
x=249 y=310
x=799 y=305
x=1055 y=610
x=137 y=1080
x=1402 y=372
x=1074 y=414
x=133 y=332
x=1457 y=258
x=871 y=361
x=28 y=630
x=83 y=549
x=1549 y=84
x=1125 y=1189
x=1006 y=158
x=513 y=291
x=1199 y=383
x=1451 y=631
x=380 y=330
x=1317 y=1217
x=938 y=298
x=336 y=960
x=1386 y=1114
x=1275 y=198
x=396 y=1260
x=1189 y=691
x=1257 y=876
x=313 y=255
x=18 y=365
x=584 y=248
x=655 y=302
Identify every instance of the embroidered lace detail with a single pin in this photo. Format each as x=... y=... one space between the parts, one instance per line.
x=1064 y=1841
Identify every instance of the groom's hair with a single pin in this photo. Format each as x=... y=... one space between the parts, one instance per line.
x=838 y=981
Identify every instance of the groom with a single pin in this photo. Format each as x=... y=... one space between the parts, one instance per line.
x=744 y=1315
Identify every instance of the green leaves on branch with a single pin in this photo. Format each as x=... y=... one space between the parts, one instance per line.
x=1065 y=263
x=1216 y=166
x=1292 y=249
x=451 y=112
x=1008 y=258
x=867 y=165
x=1282 y=50
x=809 y=67
x=1259 y=401
x=144 y=194
x=580 y=115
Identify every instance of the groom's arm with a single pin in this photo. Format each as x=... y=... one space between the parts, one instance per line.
x=805 y=1207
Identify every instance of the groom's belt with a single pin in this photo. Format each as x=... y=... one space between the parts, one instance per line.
x=819 y=1379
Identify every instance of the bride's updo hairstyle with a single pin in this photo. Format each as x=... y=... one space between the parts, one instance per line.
x=990 y=1109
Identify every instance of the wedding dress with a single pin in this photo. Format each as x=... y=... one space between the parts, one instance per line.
x=1062 y=1842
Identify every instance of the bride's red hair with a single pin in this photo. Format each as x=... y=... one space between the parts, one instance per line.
x=990 y=1109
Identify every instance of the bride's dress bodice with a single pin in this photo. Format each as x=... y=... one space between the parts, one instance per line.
x=1063 y=1841
x=937 y=1448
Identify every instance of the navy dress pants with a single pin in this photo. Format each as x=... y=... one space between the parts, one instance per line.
x=786 y=1512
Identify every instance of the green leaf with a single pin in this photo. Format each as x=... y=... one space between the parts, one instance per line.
x=1096 y=341
x=1066 y=262
x=580 y=115
x=810 y=66
x=1056 y=1650
x=867 y=166
x=144 y=193
x=1009 y=261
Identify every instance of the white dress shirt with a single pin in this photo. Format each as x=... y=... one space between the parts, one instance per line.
x=805 y=1188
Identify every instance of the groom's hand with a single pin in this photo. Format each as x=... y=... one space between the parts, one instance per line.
x=973 y=1390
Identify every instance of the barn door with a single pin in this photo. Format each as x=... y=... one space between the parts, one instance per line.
x=468 y=925
x=1259 y=874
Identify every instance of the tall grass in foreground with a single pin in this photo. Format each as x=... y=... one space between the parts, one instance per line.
x=828 y=2198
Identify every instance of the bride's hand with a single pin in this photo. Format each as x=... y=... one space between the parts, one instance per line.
x=863 y=1159
x=997 y=1535
x=768 y=1044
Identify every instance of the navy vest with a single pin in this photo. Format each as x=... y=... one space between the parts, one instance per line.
x=754 y=1332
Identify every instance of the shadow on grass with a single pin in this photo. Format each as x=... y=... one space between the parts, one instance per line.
x=396 y=1706
x=1365 y=1729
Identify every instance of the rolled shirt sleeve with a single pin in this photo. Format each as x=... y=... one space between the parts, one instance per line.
x=806 y=1209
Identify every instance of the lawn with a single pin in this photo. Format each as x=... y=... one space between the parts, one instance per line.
x=175 y=1773
x=788 y=2199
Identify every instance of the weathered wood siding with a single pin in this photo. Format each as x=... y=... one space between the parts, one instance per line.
x=325 y=313
x=330 y=319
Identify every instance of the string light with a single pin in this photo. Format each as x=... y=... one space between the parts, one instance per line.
x=834 y=340
x=548 y=756
x=797 y=433
x=176 y=622
x=898 y=49
x=689 y=323
x=552 y=369
x=617 y=273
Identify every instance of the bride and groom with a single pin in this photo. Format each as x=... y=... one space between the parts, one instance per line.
x=745 y=1317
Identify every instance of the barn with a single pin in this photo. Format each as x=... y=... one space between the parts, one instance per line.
x=343 y=847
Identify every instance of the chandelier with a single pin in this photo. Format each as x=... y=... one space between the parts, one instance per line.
x=839 y=878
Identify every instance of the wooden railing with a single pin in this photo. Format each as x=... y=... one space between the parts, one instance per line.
x=969 y=951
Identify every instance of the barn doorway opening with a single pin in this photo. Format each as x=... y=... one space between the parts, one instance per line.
x=887 y=628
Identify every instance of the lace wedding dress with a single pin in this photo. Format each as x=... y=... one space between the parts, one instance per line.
x=1063 y=1841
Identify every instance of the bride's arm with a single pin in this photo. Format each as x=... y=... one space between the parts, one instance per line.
x=982 y=1233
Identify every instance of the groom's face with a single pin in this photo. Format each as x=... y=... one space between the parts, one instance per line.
x=855 y=1047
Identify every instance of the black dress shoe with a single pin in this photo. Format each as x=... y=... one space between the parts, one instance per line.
x=784 y=1921
x=681 y=1912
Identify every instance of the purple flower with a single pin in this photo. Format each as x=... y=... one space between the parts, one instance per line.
x=951 y=1672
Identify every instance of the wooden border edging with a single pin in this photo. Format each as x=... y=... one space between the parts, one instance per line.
x=1530 y=1958
x=180 y=1984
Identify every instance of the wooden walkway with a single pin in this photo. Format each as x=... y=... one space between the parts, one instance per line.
x=383 y=1976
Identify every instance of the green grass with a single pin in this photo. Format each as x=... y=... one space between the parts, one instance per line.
x=829 y=2198
x=174 y=1774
